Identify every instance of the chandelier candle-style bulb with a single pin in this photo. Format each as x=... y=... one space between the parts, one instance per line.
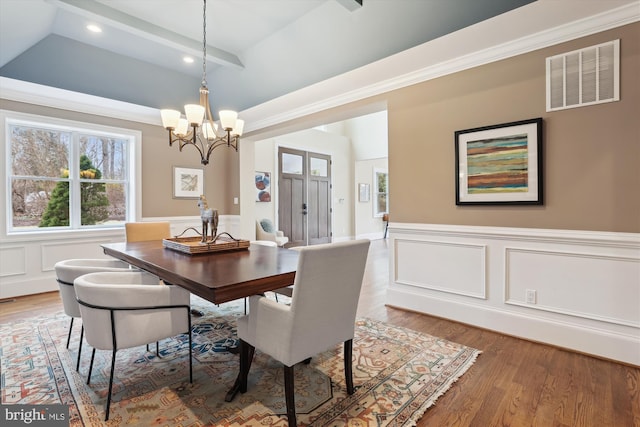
x=238 y=128
x=170 y=118
x=228 y=119
x=209 y=130
x=194 y=113
x=182 y=128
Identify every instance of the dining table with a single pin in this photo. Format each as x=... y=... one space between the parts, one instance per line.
x=217 y=277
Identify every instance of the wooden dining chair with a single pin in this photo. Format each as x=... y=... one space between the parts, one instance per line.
x=143 y=231
x=322 y=314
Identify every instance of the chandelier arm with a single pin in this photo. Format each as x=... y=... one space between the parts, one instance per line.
x=220 y=142
x=173 y=137
x=197 y=146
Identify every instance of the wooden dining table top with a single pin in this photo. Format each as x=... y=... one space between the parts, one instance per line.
x=218 y=276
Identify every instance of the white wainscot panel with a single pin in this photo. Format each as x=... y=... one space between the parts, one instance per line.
x=442 y=266
x=599 y=287
x=54 y=252
x=12 y=261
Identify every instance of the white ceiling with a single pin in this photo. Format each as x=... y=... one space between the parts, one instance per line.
x=264 y=48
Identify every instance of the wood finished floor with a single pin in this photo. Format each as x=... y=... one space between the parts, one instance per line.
x=514 y=382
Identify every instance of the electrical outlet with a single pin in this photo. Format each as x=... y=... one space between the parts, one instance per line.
x=531 y=296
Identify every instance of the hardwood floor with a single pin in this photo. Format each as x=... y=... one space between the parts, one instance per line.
x=514 y=382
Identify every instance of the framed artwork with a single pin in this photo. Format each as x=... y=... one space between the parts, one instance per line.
x=263 y=186
x=500 y=164
x=188 y=183
x=363 y=192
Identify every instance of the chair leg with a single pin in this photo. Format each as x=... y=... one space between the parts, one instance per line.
x=80 y=349
x=93 y=355
x=190 y=352
x=113 y=367
x=69 y=337
x=290 y=396
x=348 y=365
x=158 y=349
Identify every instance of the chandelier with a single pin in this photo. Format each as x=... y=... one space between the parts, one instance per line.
x=198 y=128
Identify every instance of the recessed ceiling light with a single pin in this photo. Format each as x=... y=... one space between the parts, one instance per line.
x=94 y=28
x=187 y=59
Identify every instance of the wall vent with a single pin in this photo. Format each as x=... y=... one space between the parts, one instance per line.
x=584 y=77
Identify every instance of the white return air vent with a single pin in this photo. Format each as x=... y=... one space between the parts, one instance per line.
x=584 y=77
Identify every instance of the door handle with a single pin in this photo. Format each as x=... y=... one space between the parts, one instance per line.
x=304 y=209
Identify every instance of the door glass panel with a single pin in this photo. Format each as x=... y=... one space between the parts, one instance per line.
x=318 y=166
x=292 y=163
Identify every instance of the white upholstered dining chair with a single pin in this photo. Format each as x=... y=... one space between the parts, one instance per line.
x=123 y=310
x=321 y=315
x=70 y=269
x=265 y=230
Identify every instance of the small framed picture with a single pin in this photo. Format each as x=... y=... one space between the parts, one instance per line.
x=188 y=183
x=500 y=164
x=263 y=186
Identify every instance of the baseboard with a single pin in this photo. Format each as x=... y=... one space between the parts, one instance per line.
x=589 y=340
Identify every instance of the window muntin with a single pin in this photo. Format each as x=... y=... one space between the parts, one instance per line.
x=66 y=177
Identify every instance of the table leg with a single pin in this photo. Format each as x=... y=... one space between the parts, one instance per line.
x=240 y=385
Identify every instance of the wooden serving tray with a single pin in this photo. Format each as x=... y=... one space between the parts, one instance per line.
x=192 y=245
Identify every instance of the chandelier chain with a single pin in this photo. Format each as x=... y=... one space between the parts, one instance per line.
x=204 y=43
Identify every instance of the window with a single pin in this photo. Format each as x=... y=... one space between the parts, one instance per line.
x=66 y=175
x=381 y=192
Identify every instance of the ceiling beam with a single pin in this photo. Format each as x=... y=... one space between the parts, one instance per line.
x=351 y=5
x=139 y=27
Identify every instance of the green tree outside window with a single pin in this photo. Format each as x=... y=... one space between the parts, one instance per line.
x=93 y=199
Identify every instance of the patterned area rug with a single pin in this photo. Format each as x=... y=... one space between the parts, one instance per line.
x=398 y=373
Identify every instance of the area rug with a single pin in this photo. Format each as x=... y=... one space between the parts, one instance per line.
x=399 y=373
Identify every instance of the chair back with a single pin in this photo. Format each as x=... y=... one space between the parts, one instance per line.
x=143 y=231
x=69 y=270
x=263 y=233
x=325 y=298
x=124 y=310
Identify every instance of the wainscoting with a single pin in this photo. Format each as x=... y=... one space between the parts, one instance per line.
x=27 y=260
x=574 y=289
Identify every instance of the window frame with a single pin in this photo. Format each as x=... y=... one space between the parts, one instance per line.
x=132 y=182
x=377 y=192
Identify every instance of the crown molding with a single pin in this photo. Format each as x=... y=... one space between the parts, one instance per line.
x=49 y=96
